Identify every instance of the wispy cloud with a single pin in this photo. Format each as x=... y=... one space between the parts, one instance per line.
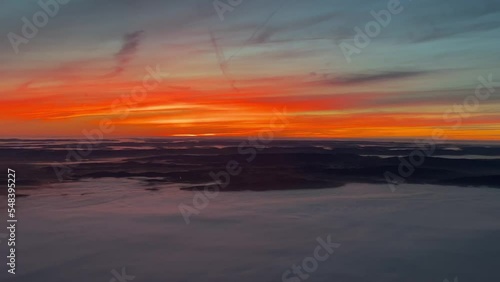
x=131 y=42
x=374 y=77
x=264 y=34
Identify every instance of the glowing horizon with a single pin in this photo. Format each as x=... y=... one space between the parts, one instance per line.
x=203 y=77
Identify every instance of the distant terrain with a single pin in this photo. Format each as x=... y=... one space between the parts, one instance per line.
x=281 y=164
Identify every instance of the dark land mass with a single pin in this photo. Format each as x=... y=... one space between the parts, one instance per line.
x=279 y=165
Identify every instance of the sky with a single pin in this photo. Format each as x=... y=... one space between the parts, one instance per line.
x=225 y=68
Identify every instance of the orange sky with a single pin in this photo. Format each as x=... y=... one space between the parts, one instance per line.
x=226 y=79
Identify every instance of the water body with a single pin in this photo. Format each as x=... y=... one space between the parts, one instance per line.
x=82 y=230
